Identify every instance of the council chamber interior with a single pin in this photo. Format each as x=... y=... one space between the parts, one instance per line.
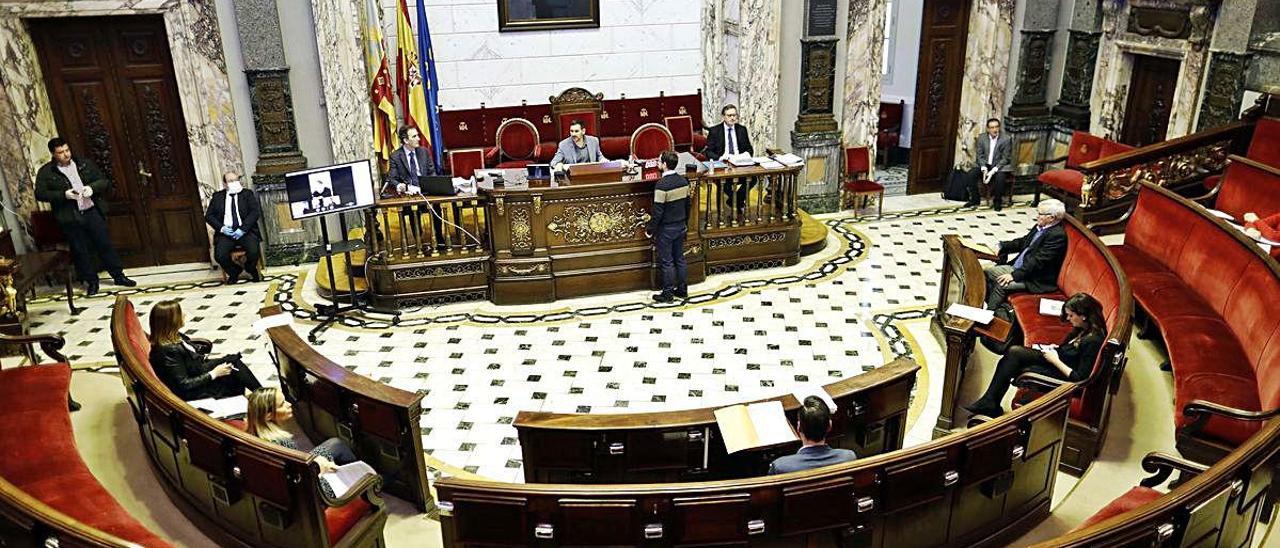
x=392 y=273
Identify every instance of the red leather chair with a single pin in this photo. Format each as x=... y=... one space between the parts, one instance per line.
x=889 y=130
x=464 y=162
x=518 y=141
x=650 y=141
x=858 y=185
x=1084 y=148
x=588 y=118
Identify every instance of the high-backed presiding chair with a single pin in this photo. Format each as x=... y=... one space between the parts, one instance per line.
x=650 y=141
x=517 y=141
x=465 y=161
x=858 y=186
x=889 y=130
x=576 y=104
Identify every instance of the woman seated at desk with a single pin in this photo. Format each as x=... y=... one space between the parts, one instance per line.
x=1070 y=361
x=189 y=374
x=268 y=408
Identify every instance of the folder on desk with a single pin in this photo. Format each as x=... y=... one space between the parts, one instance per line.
x=750 y=426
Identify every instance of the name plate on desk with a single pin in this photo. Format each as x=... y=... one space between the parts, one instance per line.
x=603 y=172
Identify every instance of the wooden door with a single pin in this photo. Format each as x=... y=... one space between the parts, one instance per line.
x=115 y=99
x=940 y=73
x=1151 y=87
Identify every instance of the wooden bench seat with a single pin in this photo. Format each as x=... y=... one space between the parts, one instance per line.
x=1211 y=292
x=40 y=457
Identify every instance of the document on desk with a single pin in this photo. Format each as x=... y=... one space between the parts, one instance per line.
x=346 y=476
x=979 y=315
x=1051 y=307
x=769 y=163
x=757 y=425
x=742 y=159
x=222 y=408
x=789 y=159
x=274 y=320
x=980 y=248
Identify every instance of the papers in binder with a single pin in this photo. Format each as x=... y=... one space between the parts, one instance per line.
x=757 y=425
x=974 y=314
x=805 y=390
x=789 y=159
x=770 y=163
x=1051 y=307
x=741 y=159
x=274 y=320
x=980 y=248
x=346 y=476
x=222 y=408
x=1221 y=214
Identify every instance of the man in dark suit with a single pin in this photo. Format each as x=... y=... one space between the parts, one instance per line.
x=813 y=424
x=667 y=227
x=73 y=186
x=726 y=139
x=1038 y=258
x=994 y=159
x=407 y=163
x=233 y=214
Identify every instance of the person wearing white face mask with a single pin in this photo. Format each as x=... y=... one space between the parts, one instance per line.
x=233 y=214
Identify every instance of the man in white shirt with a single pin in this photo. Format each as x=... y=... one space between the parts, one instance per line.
x=233 y=214
x=994 y=165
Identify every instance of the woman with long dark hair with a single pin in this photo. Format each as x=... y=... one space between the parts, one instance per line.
x=1070 y=361
x=188 y=373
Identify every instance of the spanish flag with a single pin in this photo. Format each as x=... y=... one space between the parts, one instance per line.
x=384 y=111
x=413 y=96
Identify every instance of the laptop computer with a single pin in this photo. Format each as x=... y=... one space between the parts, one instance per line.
x=436 y=185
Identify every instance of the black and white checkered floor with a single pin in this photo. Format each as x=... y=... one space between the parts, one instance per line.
x=863 y=300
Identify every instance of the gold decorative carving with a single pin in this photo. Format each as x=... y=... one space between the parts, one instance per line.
x=497 y=204
x=598 y=222
x=692 y=250
x=462 y=126
x=1116 y=184
x=746 y=239
x=521 y=229
x=537 y=204
x=514 y=270
x=683 y=111
x=419 y=272
x=604 y=115
x=644 y=113
x=546 y=118
x=8 y=295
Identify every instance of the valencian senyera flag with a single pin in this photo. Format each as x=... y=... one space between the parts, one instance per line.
x=380 y=93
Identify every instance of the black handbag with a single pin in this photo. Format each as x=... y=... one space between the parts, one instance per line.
x=957 y=187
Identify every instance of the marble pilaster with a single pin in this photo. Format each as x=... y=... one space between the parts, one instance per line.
x=1224 y=90
x=339 y=40
x=758 y=84
x=864 y=43
x=1077 y=79
x=712 y=60
x=199 y=69
x=986 y=71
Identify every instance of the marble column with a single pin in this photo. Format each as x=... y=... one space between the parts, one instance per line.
x=1029 y=122
x=986 y=71
x=759 y=61
x=816 y=137
x=1083 y=34
x=864 y=43
x=267 y=72
x=1229 y=61
x=340 y=41
x=199 y=70
x=713 y=66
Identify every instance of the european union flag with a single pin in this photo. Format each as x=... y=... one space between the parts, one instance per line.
x=427 y=67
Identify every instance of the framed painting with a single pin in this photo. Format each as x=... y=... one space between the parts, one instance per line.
x=518 y=15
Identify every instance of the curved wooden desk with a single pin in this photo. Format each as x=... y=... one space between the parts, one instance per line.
x=870 y=418
x=521 y=243
x=980 y=487
x=379 y=422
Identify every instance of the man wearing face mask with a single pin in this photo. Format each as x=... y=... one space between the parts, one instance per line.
x=233 y=213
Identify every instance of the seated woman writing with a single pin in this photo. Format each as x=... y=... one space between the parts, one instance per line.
x=268 y=408
x=1071 y=361
x=189 y=374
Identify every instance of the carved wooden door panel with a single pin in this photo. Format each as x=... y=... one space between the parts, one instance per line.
x=939 y=77
x=1151 y=87
x=115 y=99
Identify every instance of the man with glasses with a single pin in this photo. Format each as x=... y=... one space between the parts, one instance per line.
x=994 y=165
x=727 y=139
x=233 y=215
x=1037 y=258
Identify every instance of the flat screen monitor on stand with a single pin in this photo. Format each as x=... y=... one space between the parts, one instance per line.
x=325 y=191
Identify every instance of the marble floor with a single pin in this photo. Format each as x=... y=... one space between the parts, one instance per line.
x=862 y=301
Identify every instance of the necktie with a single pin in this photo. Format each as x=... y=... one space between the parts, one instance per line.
x=413 y=162
x=235 y=211
x=1017 y=263
x=733 y=141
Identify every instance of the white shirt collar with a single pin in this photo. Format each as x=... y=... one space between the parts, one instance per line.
x=669 y=172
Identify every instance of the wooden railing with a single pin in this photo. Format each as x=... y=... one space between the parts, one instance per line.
x=870 y=419
x=415 y=229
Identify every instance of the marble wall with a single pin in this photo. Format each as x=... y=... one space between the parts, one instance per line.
x=711 y=30
x=864 y=42
x=986 y=71
x=1115 y=67
x=199 y=68
x=340 y=42
x=642 y=47
x=759 y=66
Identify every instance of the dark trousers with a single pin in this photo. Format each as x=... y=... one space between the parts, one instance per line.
x=240 y=379
x=736 y=193
x=90 y=236
x=223 y=245
x=998 y=182
x=669 y=242
x=1018 y=360
x=335 y=450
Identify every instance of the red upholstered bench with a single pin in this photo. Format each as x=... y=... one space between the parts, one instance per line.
x=1212 y=292
x=1247 y=186
x=1065 y=183
x=1162 y=467
x=40 y=457
x=1264 y=148
x=1090 y=268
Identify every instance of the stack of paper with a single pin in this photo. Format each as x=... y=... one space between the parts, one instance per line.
x=742 y=159
x=769 y=163
x=235 y=406
x=756 y=425
x=978 y=315
x=1051 y=307
x=789 y=159
x=346 y=476
x=980 y=248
